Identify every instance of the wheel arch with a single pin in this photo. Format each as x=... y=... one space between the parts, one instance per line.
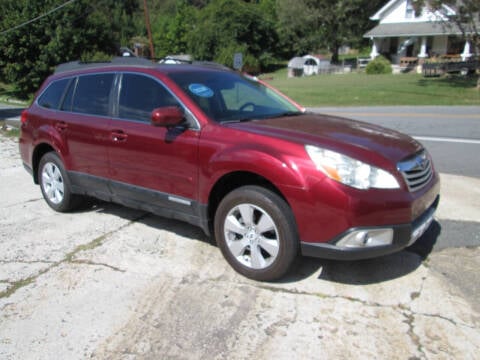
x=40 y=150
x=231 y=181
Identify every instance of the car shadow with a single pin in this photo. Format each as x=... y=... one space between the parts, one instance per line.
x=178 y=227
x=360 y=272
x=369 y=271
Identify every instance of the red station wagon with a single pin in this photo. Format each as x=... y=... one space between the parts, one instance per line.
x=230 y=154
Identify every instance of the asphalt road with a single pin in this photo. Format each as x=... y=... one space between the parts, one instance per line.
x=9 y=111
x=450 y=133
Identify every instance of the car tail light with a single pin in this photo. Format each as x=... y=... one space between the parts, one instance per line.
x=24 y=117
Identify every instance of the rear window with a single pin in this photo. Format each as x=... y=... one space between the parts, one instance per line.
x=52 y=96
x=92 y=94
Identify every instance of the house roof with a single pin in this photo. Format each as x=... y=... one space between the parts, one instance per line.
x=379 y=14
x=296 y=63
x=413 y=29
x=447 y=9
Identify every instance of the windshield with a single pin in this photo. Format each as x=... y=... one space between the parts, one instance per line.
x=230 y=97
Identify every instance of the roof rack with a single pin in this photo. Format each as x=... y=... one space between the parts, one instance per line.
x=121 y=61
x=131 y=61
x=186 y=59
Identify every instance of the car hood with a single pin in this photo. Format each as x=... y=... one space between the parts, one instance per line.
x=348 y=136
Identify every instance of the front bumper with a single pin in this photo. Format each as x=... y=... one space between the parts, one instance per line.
x=402 y=236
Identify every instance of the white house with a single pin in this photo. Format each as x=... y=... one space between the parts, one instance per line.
x=403 y=34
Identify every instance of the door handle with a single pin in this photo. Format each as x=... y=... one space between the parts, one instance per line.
x=61 y=126
x=118 y=136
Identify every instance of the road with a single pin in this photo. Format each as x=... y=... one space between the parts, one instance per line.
x=10 y=111
x=109 y=282
x=451 y=133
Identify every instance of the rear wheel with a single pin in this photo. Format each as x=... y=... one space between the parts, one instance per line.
x=55 y=185
x=256 y=233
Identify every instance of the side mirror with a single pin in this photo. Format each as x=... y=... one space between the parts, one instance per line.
x=168 y=116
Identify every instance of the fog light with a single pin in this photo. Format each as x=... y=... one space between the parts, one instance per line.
x=366 y=238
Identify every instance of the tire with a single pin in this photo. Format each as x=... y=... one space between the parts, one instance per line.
x=256 y=232
x=55 y=185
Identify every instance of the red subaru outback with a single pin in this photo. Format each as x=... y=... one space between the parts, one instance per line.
x=227 y=153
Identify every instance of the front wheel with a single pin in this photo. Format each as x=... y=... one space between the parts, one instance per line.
x=256 y=232
x=55 y=185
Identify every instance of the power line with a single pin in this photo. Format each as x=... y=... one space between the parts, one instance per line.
x=38 y=17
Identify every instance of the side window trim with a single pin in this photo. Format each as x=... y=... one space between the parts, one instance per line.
x=115 y=94
x=71 y=84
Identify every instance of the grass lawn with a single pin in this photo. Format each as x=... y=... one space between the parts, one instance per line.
x=359 y=89
x=8 y=94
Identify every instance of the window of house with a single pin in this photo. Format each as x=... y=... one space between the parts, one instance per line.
x=52 y=96
x=92 y=94
x=140 y=95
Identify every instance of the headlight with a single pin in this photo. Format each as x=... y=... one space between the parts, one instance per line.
x=350 y=171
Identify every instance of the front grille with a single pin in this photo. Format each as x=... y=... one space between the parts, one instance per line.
x=417 y=171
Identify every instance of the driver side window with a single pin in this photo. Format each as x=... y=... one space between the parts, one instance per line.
x=140 y=95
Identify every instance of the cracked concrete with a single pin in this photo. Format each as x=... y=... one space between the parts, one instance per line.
x=109 y=282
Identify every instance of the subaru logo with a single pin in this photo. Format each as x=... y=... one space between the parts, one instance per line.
x=421 y=162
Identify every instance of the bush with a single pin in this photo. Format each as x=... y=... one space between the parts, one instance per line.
x=379 y=65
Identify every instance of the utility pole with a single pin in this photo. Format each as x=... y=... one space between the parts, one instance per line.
x=149 y=29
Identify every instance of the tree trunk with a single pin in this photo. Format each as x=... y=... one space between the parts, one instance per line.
x=335 y=57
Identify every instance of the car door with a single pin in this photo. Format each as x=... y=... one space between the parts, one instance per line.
x=84 y=125
x=150 y=166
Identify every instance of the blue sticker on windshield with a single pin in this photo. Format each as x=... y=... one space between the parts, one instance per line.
x=201 y=90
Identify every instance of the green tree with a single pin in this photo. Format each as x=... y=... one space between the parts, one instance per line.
x=309 y=25
x=224 y=27
x=77 y=30
x=172 y=22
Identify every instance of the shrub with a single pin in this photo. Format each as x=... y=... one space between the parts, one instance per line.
x=379 y=65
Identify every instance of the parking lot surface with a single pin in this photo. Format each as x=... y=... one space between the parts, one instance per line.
x=108 y=282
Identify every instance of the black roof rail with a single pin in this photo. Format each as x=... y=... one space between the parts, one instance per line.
x=179 y=60
x=121 y=61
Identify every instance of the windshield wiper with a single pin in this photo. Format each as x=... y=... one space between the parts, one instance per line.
x=282 y=114
x=261 y=117
x=238 y=120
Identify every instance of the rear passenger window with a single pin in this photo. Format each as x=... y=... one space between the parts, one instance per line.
x=92 y=94
x=52 y=96
x=139 y=95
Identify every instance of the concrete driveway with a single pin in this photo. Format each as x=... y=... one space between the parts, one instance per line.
x=108 y=282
